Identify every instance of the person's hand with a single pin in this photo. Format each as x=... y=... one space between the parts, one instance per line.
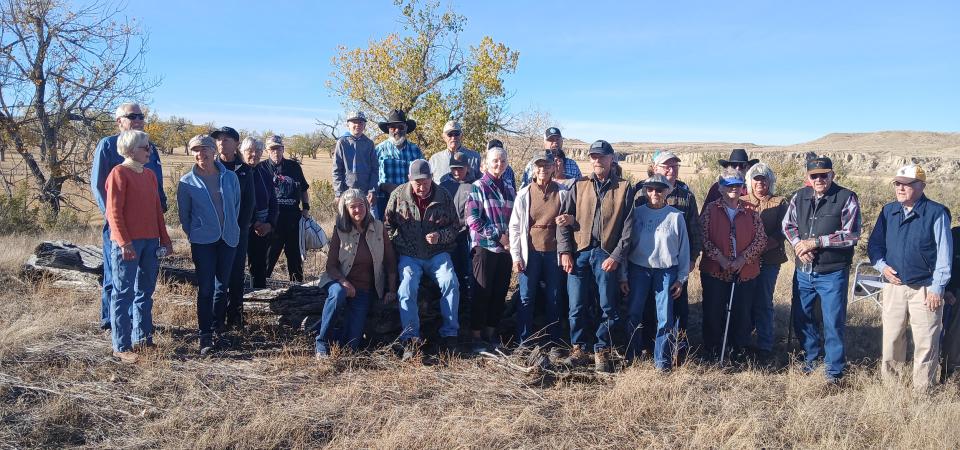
x=390 y=297
x=805 y=246
x=432 y=238
x=169 y=248
x=305 y=213
x=609 y=265
x=518 y=266
x=806 y=258
x=738 y=263
x=505 y=240
x=724 y=263
x=625 y=288
x=933 y=301
x=564 y=220
x=128 y=253
x=891 y=275
x=676 y=289
x=348 y=286
x=566 y=262
x=265 y=229
x=949 y=298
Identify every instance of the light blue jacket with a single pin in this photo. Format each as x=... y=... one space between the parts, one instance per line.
x=199 y=219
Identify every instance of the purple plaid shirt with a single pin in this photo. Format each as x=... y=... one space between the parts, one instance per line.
x=488 y=212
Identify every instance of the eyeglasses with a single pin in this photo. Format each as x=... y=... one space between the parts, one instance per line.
x=818 y=176
x=669 y=166
x=134 y=116
x=653 y=189
x=453 y=134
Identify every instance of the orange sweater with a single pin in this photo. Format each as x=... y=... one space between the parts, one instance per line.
x=133 y=206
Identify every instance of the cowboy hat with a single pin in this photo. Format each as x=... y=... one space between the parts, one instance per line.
x=738 y=156
x=397 y=116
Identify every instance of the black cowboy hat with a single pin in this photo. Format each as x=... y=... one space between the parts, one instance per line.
x=738 y=156
x=397 y=116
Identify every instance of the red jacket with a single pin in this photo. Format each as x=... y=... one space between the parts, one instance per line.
x=717 y=243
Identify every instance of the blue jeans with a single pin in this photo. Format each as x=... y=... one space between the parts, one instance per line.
x=540 y=266
x=131 y=307
x=832 y=289
x=642 y=281
x=350 y=313
x=441 y=268
x=106 y=292
x=588 y=277
x=213 y=263
x=762 y=311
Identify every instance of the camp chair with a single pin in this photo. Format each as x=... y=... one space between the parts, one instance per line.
x=867 y=283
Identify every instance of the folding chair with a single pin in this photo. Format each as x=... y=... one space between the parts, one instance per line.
x=867 y=283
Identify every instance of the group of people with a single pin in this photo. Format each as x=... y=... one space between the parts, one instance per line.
x=609 y=247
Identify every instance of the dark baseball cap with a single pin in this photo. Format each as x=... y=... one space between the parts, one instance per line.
x=494 y=143
x=601 y=147
x=545 y=155
x=819 y=165
x=225 y=131
x=458 y=159
x=552 y=131
x=419 y=169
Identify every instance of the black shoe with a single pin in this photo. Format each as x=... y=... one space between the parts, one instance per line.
x=206 y=345
x=450 y=344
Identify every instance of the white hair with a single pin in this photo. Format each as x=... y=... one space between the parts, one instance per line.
x=761 y=169
x=251 y=141
x=130 y=140
x=493 y=150
x=122 y=109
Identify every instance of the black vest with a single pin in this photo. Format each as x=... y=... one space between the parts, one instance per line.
x=817 y=218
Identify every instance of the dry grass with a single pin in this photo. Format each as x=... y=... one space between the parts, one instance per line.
x=59 y=387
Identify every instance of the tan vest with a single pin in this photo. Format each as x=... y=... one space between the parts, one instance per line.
x=613 y=210
x=349 y=242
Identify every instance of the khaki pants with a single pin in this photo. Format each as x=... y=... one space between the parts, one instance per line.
x=900 y=304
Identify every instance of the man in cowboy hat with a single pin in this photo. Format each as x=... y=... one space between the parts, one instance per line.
x=394 y=156
x=355 y=159
x=912 y=247
x=740 y=161
x=823 y=225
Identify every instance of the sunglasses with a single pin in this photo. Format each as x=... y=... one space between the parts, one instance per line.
x=134 y=116
x=453 y=134
x=818 y=176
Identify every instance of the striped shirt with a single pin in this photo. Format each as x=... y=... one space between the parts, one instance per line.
x=488 y=212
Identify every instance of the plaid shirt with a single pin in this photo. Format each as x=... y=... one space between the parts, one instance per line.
x=571 y=171
x=395 y=162
x=846 y=236
x=488 y=213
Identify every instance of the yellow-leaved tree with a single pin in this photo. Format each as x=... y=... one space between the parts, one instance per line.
x=423 y=71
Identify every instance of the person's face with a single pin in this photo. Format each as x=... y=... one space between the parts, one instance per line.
x=141 y=154
x=543 y=171
x=820 y=181
x=669 y=169
x=227 y=146
x=453 y=138
x=656 y=196
x=133 y=119
x=204 y=156
x=422 y=187
x=397 y=130
x=601 y=164
x=908 y=193
x=458 y=173
x=731 y=192
x=275 y=153
x=356 y=127
x=553 y=143
x=496 y=164
x=760 y=185
x=739 y=166
x=357 y=210
x=251 y=155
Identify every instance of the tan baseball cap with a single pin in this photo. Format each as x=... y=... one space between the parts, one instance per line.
x=452 y=125
x=202 y=140
x=910 y=173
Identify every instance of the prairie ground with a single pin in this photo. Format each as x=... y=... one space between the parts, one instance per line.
x=59 y=386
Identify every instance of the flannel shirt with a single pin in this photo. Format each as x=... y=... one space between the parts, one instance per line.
x=571 y=171
x=395 y=162
x=846 y=236
x=488 y=213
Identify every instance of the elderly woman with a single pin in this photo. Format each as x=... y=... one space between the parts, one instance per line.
x=361 y=267
x=761 y=194
x=733 y=240
x=265 y=211
x=138 y=231
x=488 y=212
x=533 y=247
x=208 y=198
x=658 y=261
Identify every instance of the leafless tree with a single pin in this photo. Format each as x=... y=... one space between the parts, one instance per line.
x=63 y=69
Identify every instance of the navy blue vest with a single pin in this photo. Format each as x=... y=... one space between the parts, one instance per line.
x=908 y=246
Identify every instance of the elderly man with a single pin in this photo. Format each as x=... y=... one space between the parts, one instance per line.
x=440 y=161
x=423 y=224
x=128 y=116
x=592 y=241
x=394 y=156
x=228 y=146
x=553 y=141
x=355 y=160
x=291 y=189
x=667 y=163
x=823 y=225
x=912 y=247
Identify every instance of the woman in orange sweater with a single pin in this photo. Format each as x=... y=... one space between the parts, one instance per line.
x=138 y=232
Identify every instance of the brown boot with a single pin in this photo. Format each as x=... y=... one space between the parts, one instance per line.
x=577 y=357
x=127 y=357
x=601 y=361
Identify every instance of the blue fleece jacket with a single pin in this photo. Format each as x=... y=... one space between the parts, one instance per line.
x=198 y=215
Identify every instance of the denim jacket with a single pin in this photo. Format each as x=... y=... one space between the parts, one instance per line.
x=199 y=219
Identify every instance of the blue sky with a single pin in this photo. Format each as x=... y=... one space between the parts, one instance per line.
x=766 y=72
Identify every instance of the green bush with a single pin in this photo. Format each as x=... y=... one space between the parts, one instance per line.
x=322 y=204
x=16 y=213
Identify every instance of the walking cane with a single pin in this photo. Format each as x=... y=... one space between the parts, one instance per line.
x=726 y=329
